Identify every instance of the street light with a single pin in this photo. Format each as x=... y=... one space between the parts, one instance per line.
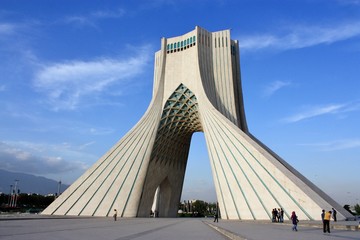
x=15 y=194
x=59 y=187
x=10 y=195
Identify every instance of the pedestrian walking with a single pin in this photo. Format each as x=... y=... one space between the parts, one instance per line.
x=115 y=215
x=294 y=220
x=216 y=217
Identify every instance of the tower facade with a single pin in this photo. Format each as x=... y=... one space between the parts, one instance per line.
x=197 y=88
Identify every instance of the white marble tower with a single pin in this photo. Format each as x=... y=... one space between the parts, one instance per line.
x=197 y=88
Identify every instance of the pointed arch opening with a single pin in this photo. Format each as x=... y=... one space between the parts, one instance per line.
x=198 y=181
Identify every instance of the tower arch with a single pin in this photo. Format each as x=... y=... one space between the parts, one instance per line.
x=179 y=120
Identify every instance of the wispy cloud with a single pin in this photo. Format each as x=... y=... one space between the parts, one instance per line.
x=92 y=18
x=349 y=2
x=7 y=28
x=301 y=37
x=275 y=86
x=2 y=88
x=101 y=131
x=336 y=145
x=86 y=145
x=80 y=21
x=323 y=110
x=117 y=13
x=66 y=83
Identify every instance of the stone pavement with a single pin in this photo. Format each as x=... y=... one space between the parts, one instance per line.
x=307 y=230
x=43 y=227
x=107 y=229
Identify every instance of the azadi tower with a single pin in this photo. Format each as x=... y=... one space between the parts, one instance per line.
x=197 y=88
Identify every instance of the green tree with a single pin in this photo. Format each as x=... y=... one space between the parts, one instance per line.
x=25 y=202
x=212 y=208
x=357 y=209
x=200 y=208
x=4 y=199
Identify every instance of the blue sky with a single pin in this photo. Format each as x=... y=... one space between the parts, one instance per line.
x=76 y=76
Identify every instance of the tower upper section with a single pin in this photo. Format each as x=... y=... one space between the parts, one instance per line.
x=208 y=64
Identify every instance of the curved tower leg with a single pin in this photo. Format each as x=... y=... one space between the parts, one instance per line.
x=250 y=182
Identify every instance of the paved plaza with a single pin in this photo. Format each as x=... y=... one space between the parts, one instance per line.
x=40 y=227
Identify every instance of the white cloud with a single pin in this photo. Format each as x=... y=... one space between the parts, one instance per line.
x=275 y=86
x=258 y=42
x=66 y=84
x=2 y=88
x=79 y=21
x=92 y=18
x=85 y=145
x=336 y=145
x=101 y=131
x=315 y=111
x=30 y=158
x=7 y=28
x=118 y=13
x=344 y=144
x=302 y=36
x=323 y=110
x=349 y=2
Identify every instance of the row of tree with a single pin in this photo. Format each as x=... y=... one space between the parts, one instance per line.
x=197 y=208
x=25 y=202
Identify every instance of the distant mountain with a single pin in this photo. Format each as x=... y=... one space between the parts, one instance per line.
x=29 y=183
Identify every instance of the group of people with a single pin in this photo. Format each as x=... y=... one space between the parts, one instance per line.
x=277 y=215
x=325 y=217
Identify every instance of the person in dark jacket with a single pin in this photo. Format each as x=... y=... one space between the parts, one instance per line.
x=294 y=220
x=216 y=217
x=115 y=215
x=334 y=214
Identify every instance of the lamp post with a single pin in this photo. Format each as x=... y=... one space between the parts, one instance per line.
x=10 y=195
x=59 y=188
x=14 y=198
